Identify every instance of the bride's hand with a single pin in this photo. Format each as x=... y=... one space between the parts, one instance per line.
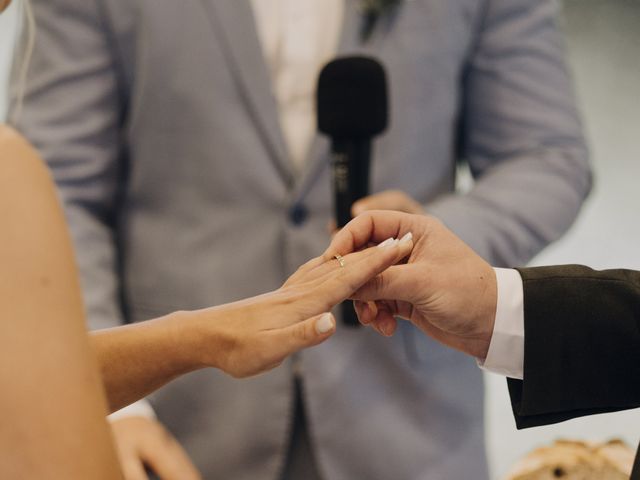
x=254 y=335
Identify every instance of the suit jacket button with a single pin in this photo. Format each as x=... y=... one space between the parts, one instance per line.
x=298 y=214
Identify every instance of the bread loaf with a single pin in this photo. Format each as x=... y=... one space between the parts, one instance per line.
x=575 y=460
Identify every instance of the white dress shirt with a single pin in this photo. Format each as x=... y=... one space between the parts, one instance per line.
x=298 y=38
x=506 y=350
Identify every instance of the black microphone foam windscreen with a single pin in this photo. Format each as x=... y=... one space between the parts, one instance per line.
x=352 y=98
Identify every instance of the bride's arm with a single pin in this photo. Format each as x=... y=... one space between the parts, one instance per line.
x=242 y=338
x=52 y=404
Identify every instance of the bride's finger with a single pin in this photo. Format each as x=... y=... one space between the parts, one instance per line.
x=359 y=268
x=331 y=265
x=372 y=226
x=402 y=249
x=282 y=342
x=319 y=289
x=304 y=270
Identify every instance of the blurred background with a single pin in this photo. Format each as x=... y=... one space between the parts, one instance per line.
x=604 y=47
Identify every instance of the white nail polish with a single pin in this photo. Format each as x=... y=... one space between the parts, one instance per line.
x=406 y=239
x=389 y=242
x=325 y=324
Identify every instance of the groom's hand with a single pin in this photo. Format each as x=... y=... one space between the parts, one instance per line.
x=395 y=200
x=442 y=287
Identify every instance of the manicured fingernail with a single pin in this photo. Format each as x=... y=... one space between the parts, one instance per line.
x=381 y=329
x=389 y=242
x=387 y=328
x=325 y=324
x=406 y=239
x=362 y=309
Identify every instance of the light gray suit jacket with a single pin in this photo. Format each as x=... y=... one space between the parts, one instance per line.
x=157 y=119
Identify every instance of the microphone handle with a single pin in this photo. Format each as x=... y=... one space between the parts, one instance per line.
x=351 y=166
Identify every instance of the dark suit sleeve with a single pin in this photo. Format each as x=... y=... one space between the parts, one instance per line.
x=582 y=344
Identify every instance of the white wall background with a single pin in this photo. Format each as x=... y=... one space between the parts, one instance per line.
x=604 y=42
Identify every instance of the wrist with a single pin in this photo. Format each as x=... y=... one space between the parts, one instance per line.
x=184 y=341
x=506 y=350
x=486 y=315
x=211 y=334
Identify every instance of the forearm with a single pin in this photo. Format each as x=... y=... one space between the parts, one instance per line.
x=243 y=338
x=137 y=359
x=581 y=344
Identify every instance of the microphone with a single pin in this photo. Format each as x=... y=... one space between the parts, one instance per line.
x=352 y=108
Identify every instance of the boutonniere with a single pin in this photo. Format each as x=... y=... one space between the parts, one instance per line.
x=372 y=11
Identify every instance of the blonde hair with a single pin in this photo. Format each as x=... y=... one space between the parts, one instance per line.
x=22 y=60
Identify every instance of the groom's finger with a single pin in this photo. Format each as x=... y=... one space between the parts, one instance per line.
x=340 y=283
x=370 y=227
x=332 y=266
x=397 y=283
x=366 y=311
x=378 y=315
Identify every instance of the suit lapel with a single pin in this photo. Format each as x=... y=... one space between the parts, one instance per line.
x=233 y=23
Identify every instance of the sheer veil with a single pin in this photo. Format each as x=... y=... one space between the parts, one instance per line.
x=22 y=59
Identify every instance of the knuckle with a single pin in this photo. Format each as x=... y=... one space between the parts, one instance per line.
x=265 y=356
x=352 y=282
x=166 y=438
x=301 y=333
x=155 y=440
x=377 y=284
x=322 y=300
x=131 y=469
x=434 y=223
x=261 y=357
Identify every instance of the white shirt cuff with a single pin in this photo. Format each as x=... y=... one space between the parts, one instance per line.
x=506 y=350
x=141 y=408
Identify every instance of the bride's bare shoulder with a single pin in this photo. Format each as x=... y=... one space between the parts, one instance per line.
x=12 y=142
x=9 y=138
x=18 y=158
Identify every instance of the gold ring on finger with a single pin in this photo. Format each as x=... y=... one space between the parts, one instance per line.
x=340 y=259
